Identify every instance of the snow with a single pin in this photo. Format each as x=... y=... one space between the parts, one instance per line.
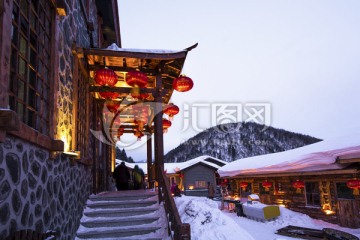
x=114 y=47
x=172 y=168
x=209 y=222
x=317 y=156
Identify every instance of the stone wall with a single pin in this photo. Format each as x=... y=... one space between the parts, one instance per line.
x=40 y=193
x=37 y=192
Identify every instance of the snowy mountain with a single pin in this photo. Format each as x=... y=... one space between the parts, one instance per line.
x=233 y=141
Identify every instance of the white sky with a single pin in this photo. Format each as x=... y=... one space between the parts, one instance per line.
x=301 y=57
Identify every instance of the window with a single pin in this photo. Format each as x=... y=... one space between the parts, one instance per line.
x=82 y=119
x=30 y=68
x=312 y=193
x=200 y=184
x=343 y=191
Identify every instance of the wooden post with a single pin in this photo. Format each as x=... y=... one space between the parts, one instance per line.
x=149 y=161
x=158 y=129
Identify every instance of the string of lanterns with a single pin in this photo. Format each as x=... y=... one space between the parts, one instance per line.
x=137 y=80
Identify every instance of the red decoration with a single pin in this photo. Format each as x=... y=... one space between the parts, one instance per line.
x=120 y=132
x=137 y=80
x=166 y=124
x=243 y=185
x=105 y=77
x=267 y=185
x=181 y=175
x=141 y=115
x=298 y=185
x=109 y=95
x=139 y=135
x=183 y=84
x=171 y=110
x=355 y=185
x=112 y=106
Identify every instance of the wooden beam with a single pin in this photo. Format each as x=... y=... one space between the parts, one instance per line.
x=348 y=160
x=296 y=174
x=119 y=89
x=149 y=160
x=142 y=55
x=158 y=126
x=123 y=69
x=9 y=120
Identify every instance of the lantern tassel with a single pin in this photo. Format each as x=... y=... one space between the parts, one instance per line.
x=298 y=190
x=356 y=191
x=135 y=91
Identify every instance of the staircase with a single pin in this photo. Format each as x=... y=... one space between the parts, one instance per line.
x=133 y=214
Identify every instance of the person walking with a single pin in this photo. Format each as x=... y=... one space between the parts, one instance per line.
x=122 y=176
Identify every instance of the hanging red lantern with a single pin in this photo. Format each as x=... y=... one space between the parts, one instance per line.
x=112 y=106
x=109 y=95
x=243 y=185
x=183 y=84
x=166 y=124
x=298 y=185
x=137 y=80
x=105 y=77
x=120 y=132
x=267 y=185
x=171 y=110
x=138 y=134
x=355 y=185
x=141 y=115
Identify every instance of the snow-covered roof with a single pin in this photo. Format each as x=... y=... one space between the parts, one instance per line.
x=172 y=168
x=115 y=47
x=318 y=156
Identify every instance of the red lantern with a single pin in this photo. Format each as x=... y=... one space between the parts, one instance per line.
x=243 y=185
x=141 y=115
x=105 y=77
x=112 y=106
x=137 y=80
x=166 y=124
x=355 y=185
x=171 y=110
x=298 y=185
x=139 y=135
x=109 y=95
x=267 y=185
x=120 y=132
x=183 y=84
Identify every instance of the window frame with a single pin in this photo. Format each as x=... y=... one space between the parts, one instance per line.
x=22 y=130
x=307 y=195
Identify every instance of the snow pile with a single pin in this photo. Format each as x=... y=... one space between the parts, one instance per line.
x=207 y=221
x=288 y=217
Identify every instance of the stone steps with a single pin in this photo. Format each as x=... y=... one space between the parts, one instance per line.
x=120 y=204
x=116 y=233
x=123 y=215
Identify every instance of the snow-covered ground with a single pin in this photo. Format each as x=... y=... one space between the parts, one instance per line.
x=209 y=222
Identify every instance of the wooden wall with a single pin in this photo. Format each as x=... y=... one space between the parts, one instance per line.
x=344 y=212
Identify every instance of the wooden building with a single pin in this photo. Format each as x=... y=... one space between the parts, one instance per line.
x=57 y=123
x=191 y=176
x=311 y=180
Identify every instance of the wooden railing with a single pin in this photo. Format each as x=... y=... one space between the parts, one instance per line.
x=181 y=231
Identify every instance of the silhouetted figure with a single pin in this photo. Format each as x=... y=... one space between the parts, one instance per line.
x=138 y=177
x=121 y=176
x=177 y=192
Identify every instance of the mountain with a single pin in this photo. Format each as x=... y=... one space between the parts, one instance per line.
x=233 y=141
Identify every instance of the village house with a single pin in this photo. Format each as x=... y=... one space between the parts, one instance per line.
x=191 y=176
x=320 y=180
x=67 y=90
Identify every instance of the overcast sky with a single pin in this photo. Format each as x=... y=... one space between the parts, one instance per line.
x=300 y=58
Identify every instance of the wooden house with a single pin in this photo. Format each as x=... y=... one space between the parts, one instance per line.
x=192 y=176
x=314 y=179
